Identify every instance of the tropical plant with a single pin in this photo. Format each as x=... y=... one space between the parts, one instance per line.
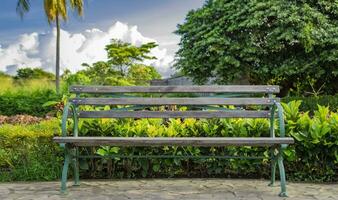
x=55 y=11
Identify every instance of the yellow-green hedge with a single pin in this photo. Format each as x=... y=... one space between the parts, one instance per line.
x=27 y=152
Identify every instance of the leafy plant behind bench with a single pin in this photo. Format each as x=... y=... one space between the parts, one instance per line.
x=310 y=103
x=29 y=153
x=318 y=134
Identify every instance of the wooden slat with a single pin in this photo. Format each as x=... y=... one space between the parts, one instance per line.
x=178 y=141
x=175 y=114
x=174 y=101
x=176 y=89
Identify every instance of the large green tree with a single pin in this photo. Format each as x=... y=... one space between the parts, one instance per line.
x=122 y=55
x=123 y=67
x=293 y=43
x=55 y=11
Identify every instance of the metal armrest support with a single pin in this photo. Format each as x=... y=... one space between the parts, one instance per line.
x=281 y=122
x=72 y=107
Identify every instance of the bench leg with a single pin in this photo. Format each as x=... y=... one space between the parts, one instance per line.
x=273 y=170
x=65 y=172
x=282 y=175
x=76 y=168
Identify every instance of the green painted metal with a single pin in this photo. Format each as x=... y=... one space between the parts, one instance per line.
x=282 y=174
x=76 y=122
x=64 y=119
x=273 y=172
x=68 y=153
x=76 y=167
x=65 y=171
x=65 y=113
x=272 y=150
x=281 y=149
x=281 y=122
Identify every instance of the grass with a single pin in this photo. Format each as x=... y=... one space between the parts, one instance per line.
x=9 y=85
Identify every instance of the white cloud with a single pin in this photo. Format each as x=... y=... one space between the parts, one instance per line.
x=38 y=49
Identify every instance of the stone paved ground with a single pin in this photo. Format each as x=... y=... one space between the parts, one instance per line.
x=168 y=189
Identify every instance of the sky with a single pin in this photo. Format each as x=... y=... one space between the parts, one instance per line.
x=30 y=42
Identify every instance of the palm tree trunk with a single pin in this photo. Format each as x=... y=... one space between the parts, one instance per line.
x=57 y=58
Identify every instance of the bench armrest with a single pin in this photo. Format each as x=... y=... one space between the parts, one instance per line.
x=281 y=121
x=69 y=107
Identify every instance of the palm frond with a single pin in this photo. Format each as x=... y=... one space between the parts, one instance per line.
x=22 y=7
x=78 y=6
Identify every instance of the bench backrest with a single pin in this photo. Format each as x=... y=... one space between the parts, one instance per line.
x=107 y=95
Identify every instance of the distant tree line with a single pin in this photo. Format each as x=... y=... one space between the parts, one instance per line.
x=123 y=67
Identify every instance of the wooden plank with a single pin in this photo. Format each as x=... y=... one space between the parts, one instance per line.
x=176 y=89
x=175 y=114
x=174 y=101
x=178 y=141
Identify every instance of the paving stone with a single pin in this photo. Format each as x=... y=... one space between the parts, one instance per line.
x=167 y=189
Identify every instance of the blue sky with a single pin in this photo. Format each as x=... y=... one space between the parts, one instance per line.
x=155 y=19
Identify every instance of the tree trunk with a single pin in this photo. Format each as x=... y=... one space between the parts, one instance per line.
x=57 y=58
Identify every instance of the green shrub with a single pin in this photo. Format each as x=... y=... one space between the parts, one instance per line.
x=316 y=143
x=27 y=152
x=27 y=102
x=310 y=103
x=30 y=154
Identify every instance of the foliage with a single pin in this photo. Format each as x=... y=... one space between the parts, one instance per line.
x=26 y=96
x=27 y=152
x=8 y=84
x=318 y=133
x=122 y=67
x=35 y=73
x=4 y=75
x=122 y=55
x=310 y=103
x=316 y=148
x=141 y=74
x=290 y=43
x=55 y=10
x=26 y=102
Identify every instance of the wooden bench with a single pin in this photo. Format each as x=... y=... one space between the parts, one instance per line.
x=204 y=107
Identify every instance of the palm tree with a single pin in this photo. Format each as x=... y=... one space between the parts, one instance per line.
x=55 y=11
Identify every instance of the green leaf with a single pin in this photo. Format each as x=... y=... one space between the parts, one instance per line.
x=50 y=103
x=156 y=167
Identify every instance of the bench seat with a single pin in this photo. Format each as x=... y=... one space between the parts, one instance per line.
x=172 y=141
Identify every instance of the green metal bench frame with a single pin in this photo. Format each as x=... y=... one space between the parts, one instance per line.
x=71 y=144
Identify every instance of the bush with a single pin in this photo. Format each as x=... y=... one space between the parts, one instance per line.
x=311 y=103
x=29 y=153
x=27 y=102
